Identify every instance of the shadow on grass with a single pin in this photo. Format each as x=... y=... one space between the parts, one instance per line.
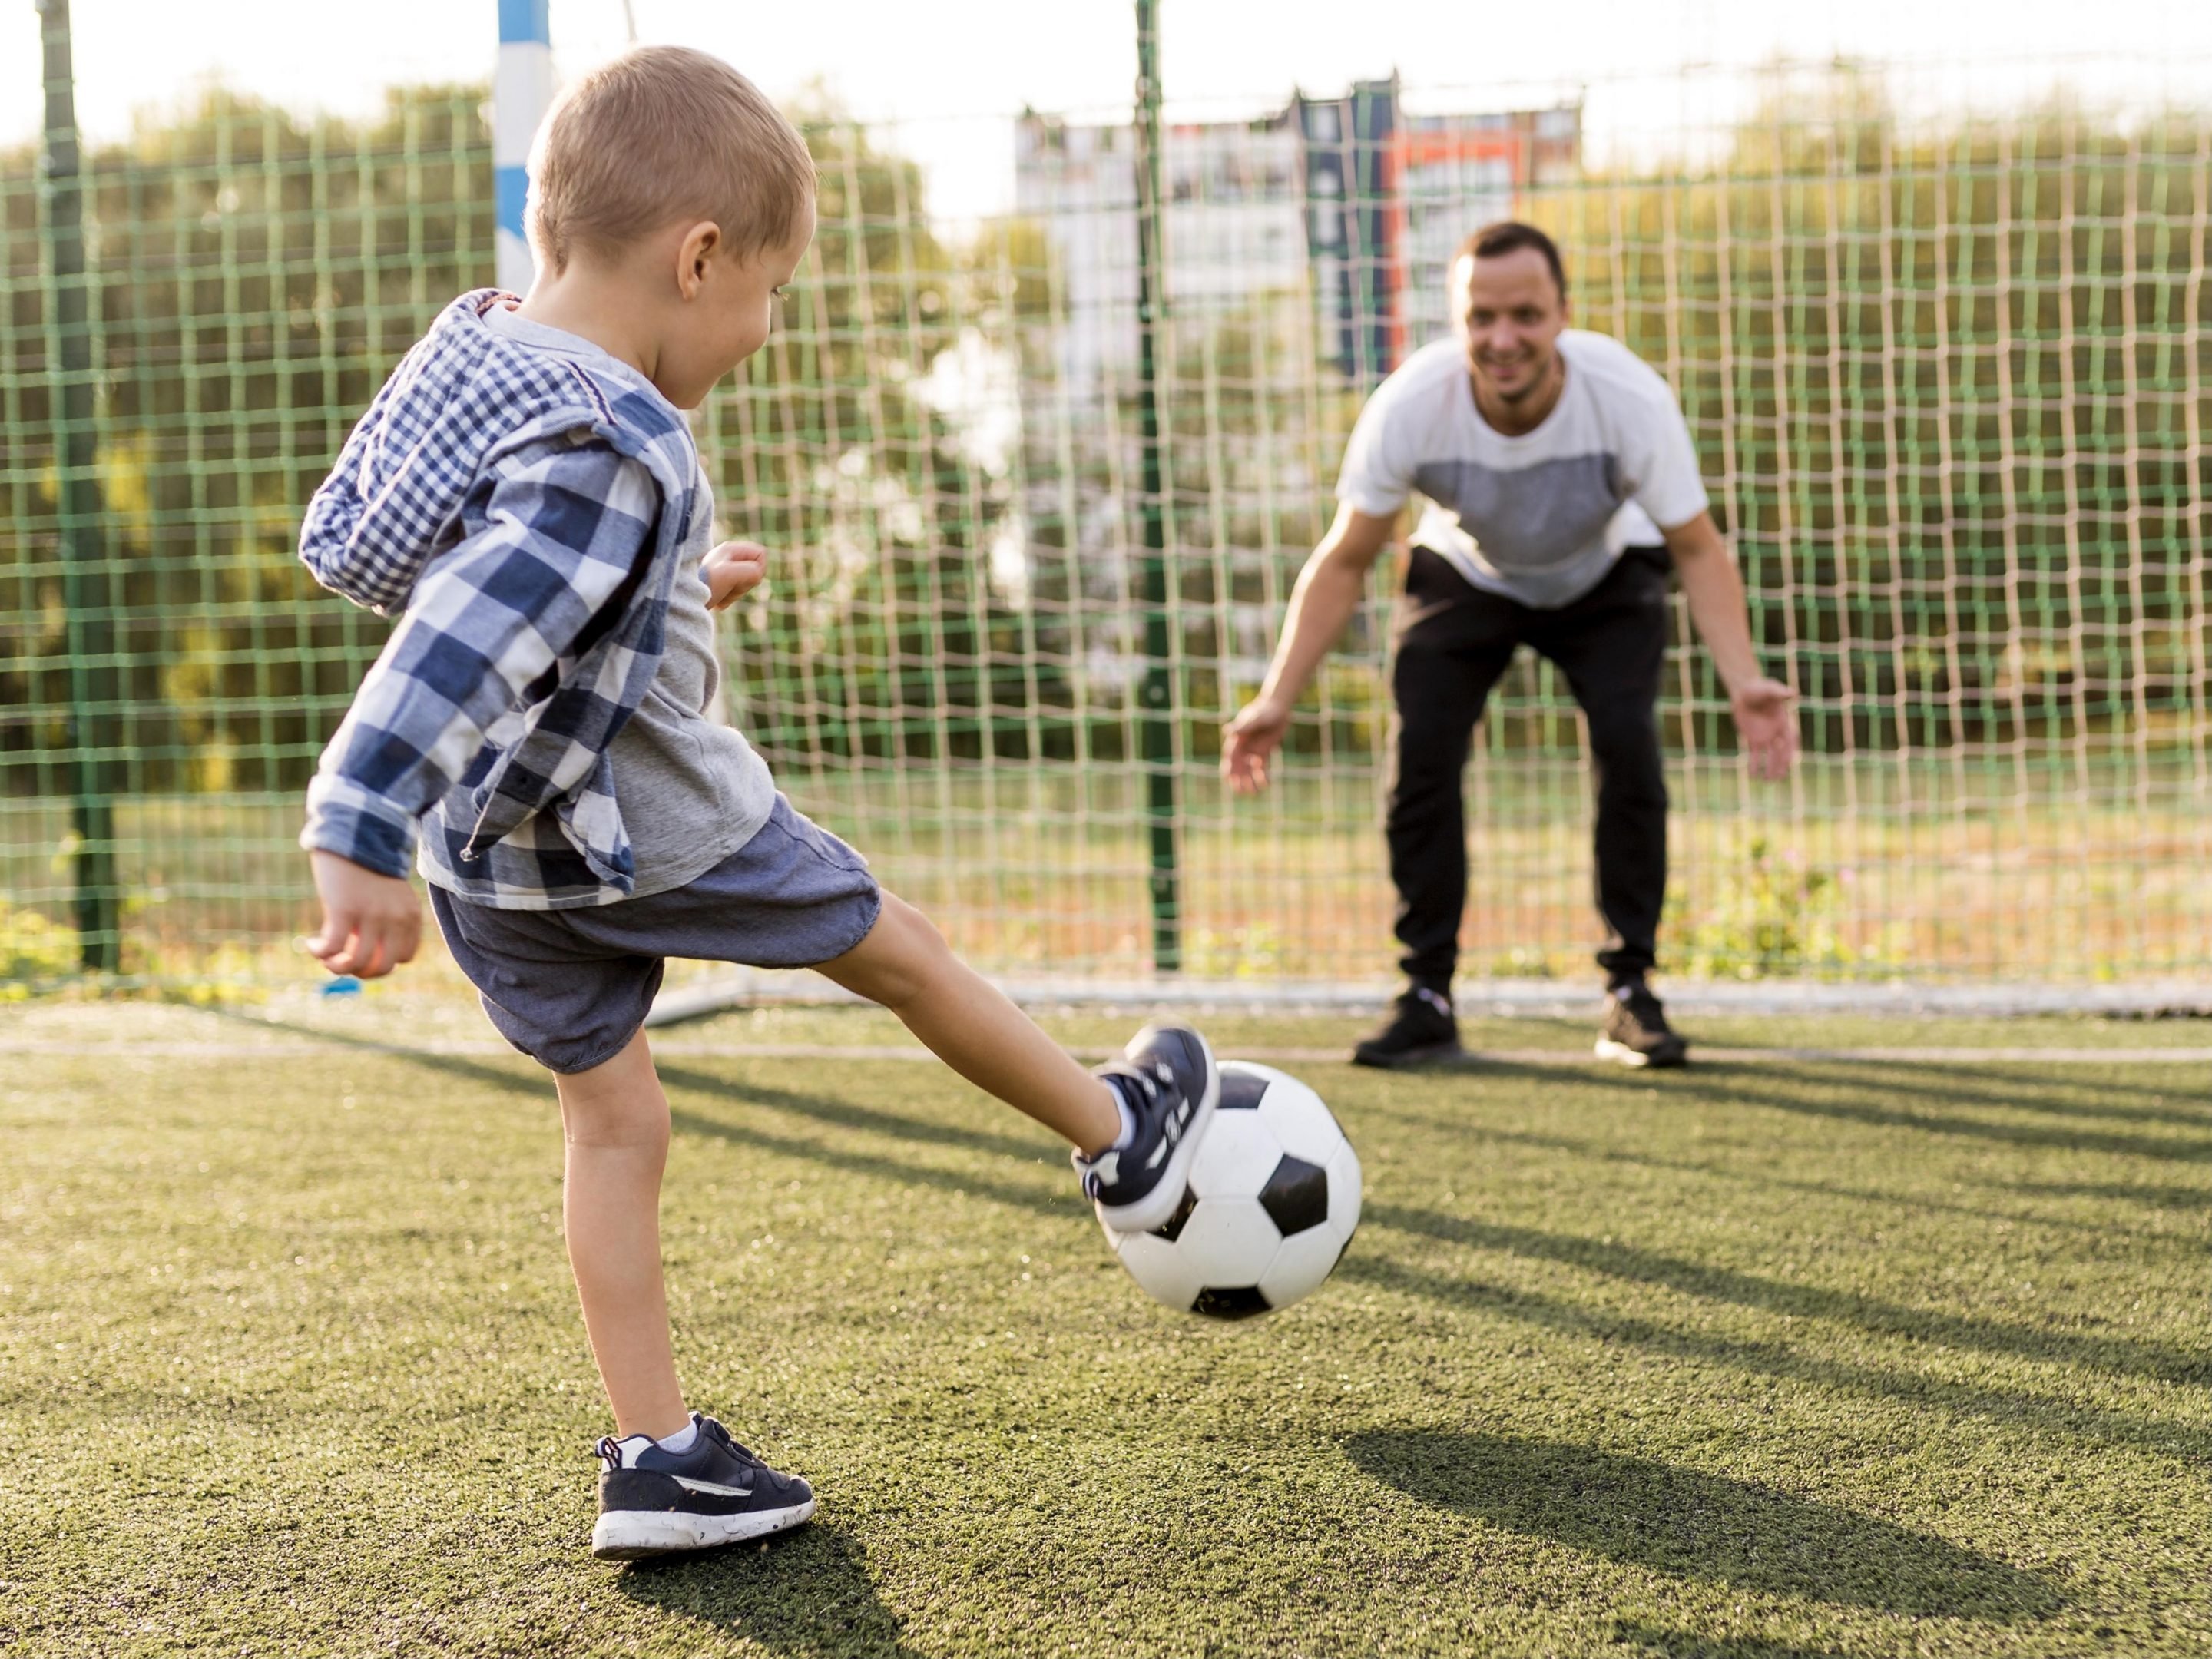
x=1039 y=1148
x=1633 y=1641
x=808 y=1592
x=1781 y=1296
x=1717 y=1084
x=1690 y=1524
x=536 y=1082
x=821 y=1108
x=962 y=1184
x=2007 y=1407
x=2017 y=1089
x=2156 y=1198
x=1763 y=1178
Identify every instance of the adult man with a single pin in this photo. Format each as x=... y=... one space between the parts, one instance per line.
x=1560 y=484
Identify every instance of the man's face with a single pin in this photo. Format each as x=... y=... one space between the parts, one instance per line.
x=1509 y=312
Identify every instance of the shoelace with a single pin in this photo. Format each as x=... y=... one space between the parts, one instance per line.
x=1151 y=1081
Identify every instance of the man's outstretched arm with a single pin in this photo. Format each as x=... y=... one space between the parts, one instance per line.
x=1766 y=720
x=1328 y=589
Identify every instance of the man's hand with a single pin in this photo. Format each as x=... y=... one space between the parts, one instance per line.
x=733 y=570
x=1327 y=590
x=1765 y=722
x=371 y=923
x=1248 y=740
x=1767 y=725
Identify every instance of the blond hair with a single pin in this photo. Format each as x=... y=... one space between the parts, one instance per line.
x=663 y=133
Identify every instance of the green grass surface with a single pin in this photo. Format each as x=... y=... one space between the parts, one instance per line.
x=1826 y=1358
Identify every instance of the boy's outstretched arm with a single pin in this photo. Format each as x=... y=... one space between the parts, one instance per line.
x=553 y=529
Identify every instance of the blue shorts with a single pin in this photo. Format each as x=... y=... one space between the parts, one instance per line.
x=571 y=988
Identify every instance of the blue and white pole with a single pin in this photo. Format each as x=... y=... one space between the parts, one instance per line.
x=521 y=88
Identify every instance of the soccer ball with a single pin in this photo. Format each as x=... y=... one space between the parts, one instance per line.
x=1272 y=1199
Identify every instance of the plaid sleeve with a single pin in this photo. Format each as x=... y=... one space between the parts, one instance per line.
x=552 y=529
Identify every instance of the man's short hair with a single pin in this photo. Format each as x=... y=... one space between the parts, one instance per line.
x=1508 y=236
x=663 y=133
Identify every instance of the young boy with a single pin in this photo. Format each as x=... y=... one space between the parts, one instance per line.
x=526 y=493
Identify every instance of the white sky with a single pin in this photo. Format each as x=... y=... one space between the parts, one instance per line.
x=953 y=73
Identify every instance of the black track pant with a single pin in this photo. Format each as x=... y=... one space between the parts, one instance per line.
x=1454 y=641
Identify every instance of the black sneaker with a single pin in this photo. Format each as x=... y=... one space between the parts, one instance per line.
x=1636 y=1032
x=1168 y=1079
x=652 y=1501
x=1419 y=1031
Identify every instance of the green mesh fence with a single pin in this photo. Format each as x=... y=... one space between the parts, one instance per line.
x=1947 y=373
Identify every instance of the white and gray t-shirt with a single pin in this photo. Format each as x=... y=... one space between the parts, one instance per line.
x=691 y=788
x=1539 y=518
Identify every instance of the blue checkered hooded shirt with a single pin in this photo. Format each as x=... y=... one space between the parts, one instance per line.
x=524 y=517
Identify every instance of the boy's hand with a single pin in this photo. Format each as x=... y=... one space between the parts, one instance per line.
x=371 y=923
x=733 y=570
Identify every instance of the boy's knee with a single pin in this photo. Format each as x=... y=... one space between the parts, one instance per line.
x=621 y=1104
x=639 y=1126
x=901 y=955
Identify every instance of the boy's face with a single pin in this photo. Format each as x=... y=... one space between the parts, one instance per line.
x=731 y=307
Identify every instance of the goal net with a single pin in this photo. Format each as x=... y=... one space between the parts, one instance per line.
x=1945 y=364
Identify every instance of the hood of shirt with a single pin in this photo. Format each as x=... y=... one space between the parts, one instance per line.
x=465 y=392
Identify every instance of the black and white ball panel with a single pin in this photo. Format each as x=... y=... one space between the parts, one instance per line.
x=1302 y=1125
x=1240 y=1303
x=1238 y=1156
x=1241 y=1089
x=1232 y=1239
x=1344 y=1179
x=1300 y=1265
x=1295 y=1196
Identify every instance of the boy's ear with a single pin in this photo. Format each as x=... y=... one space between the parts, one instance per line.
x=700 y=243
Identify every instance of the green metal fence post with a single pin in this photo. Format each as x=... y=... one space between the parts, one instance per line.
x=85 y=596
x=1157 y=726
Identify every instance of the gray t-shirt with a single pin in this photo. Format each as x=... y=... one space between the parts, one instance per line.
x=1541 y=517
x=690 y=789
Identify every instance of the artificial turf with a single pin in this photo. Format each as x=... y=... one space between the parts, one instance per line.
x=1791 y=1357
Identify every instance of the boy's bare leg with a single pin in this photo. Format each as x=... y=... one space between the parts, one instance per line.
x=967 y=1022
x=614 y=1119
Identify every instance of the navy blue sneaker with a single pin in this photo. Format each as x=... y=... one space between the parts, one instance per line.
x=1169 y=1081
x=653 y=1501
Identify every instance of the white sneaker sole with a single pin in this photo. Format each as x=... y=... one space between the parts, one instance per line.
x=1155 y=1207
x=1621 y=1054
x=632 y=1535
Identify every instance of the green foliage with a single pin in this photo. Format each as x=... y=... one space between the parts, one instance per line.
x=1777 y=917
x=34 y=950
x=255 y=276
